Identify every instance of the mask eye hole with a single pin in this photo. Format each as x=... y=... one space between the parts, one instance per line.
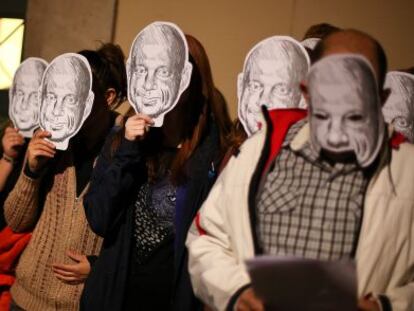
x=355 y=117
x=69 y=100
x=51 y=98
x=320 y=116
x=281 y=89
x=140 y=70
x=401 y=122
x=163 y=72
x=255 y=86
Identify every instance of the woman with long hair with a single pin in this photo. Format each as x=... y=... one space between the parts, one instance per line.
x=147 y=186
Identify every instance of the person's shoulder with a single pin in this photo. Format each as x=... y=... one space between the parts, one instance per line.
x=402 y=168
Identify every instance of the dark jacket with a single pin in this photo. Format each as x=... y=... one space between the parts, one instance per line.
x=108 y=208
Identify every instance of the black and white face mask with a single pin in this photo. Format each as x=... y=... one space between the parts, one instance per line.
x=399 y=107
x=65 y=97
x=24 y=97
x=271 y=76
x=345 y=110
x=158 y=70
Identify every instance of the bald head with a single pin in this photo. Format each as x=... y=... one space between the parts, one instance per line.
x=356 y=42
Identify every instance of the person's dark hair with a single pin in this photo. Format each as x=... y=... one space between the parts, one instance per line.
x=237 y=135
x=408 y=70
x=382 y=63
x=108 y=66
x=320 y=31
x=379 y=51
x=215 y=99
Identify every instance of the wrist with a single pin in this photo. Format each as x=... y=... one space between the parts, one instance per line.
x=8 y=158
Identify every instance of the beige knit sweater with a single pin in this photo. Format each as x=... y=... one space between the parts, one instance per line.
x=61 y=226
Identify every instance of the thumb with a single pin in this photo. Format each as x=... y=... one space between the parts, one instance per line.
x=75 y=256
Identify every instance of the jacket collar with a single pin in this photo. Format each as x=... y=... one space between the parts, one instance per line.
x=303 y=136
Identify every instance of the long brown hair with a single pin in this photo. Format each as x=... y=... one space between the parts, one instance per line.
x=215 y=99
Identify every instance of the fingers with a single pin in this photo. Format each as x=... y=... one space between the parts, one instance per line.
x=67 y=268
x=72 y=280
x=137 y=126
x=42 y=134
x=141 y=116
x=76 y=256
x=42 y=151
x=42 y=144
x=10 y=129
x=14 y=136
x=67 y=272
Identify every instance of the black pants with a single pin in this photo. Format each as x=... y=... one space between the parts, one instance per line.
x=149 y=286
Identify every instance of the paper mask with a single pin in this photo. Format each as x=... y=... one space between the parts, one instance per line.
x=399 y=107
x=23 y=95
x=310 y=43
x=272 y=72
x=345 y=110
x=158 y=70
x=66 y=97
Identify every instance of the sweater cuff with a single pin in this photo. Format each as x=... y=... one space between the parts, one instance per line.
x=233 y=300
x=127 y=148
x=29 y=173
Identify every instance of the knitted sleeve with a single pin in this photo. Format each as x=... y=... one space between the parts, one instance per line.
x=21 y=206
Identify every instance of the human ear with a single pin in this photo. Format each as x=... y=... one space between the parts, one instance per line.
x=110 y=96
x=185 y=76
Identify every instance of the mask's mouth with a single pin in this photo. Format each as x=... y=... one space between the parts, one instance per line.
x=148 y=98
x=24 y=118
x=149 y=101
x=55 y=125
x=346 y=156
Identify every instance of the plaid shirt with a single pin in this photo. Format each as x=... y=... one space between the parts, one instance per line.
x=307 y=207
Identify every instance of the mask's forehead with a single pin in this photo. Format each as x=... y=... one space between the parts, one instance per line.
x=29 y=73
x=285 y=54
x=160 y=39
x=71 y=71
x=343 y=82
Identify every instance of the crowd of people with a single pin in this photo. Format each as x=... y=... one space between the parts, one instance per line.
x=134 y=216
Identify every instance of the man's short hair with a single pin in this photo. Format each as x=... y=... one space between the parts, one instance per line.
x=320 y=31
x=322 y=46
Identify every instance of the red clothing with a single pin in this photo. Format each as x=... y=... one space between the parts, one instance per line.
x=11 y=246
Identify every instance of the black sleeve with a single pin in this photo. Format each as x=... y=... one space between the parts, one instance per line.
x=111 y=182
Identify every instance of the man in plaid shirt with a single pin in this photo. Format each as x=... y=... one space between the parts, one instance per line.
x=320 y=197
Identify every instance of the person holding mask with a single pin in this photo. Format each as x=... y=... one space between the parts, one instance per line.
x=48 y=198
x=143 y=197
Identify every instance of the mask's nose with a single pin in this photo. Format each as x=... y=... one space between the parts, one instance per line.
x=150 y=81
x=58 y=108
x=337 y=137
